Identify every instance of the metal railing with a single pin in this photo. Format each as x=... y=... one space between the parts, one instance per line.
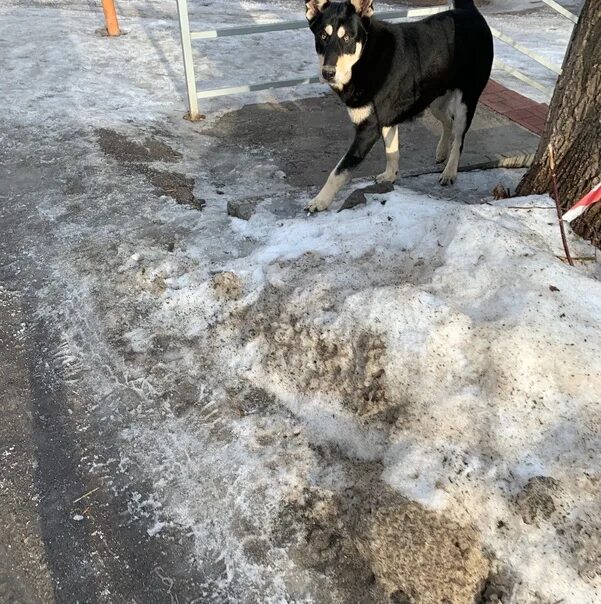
x=561 y=10
x=516 y=73
x=188 y=36
x=525 y=51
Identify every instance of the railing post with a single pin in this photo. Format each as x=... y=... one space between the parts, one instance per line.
x=184 y=28
x=110 y=18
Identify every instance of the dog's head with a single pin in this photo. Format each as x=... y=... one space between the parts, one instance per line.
x=340 y=30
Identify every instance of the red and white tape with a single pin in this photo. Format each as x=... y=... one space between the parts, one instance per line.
x=583 y=205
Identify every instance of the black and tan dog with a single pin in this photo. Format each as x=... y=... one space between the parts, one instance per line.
x=387 y=74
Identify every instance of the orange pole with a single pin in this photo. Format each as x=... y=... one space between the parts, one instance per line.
x=110 y=17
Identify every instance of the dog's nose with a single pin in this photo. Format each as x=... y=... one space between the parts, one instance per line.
x=328 y=73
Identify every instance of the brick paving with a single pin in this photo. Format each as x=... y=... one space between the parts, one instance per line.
x=518 y=108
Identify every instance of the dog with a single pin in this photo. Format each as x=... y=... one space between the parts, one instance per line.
x=387 y=74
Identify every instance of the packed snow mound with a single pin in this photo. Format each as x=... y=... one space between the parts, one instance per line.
x=452 y=344
x=411 y=372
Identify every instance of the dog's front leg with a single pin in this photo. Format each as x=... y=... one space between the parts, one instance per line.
x=366 y=135
x=391 y=142
x=337 y=179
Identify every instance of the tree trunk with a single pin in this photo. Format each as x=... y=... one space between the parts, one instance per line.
x=574 y=126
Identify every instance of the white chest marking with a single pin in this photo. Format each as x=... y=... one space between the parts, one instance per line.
x=359 y=114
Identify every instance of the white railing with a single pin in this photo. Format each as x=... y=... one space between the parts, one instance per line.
x=561 y=10
x=520 y=75
x=525 y=51
x=188 y=36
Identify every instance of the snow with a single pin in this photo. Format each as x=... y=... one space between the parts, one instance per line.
x=500 y=372
x=503 y=374
x=553 y=34
x=484 y=342
x=151 y=81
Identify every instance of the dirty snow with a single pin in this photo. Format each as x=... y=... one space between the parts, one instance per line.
x=481 y=345
x=495 y=354
x=488 y=343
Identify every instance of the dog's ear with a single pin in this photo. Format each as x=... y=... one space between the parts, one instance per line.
x=312 y=7
x=364 y=8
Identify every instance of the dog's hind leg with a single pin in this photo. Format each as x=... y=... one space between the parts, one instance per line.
x=391 y=142
x=462 y=113
x=366 y=135
x=440 y=110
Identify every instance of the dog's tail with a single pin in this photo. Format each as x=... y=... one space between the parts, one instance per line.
x=464 y=4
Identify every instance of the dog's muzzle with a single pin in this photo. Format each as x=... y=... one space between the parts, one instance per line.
x=328 y=73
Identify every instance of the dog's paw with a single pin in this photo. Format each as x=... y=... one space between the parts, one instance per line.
x=441 y=156
x=317 y=205
x=386 y=177
x=447 y=179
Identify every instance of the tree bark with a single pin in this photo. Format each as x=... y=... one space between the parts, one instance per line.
x=574 y=126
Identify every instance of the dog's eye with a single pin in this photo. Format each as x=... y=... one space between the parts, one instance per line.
x=346 y=38
x=323 y=35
